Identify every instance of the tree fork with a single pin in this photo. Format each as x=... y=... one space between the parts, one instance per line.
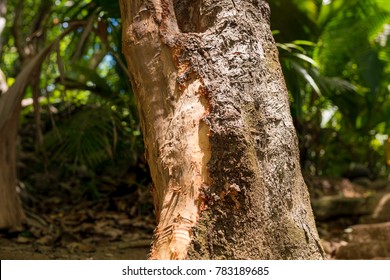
x=218 y=133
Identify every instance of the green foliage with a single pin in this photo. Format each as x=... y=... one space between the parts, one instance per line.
x=110 y=7
x=337 y=75
x=88 y=113
x=87 y=137
x=335 y=58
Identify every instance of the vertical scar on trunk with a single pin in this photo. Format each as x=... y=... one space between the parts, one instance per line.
x=184 y=153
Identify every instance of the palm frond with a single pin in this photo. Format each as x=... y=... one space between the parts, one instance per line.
x=14 y=95
x=87 y=138
x=307 y=76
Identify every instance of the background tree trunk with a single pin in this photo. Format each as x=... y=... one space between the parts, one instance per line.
x=11 y=213
x=3 y=11
x=218 y=134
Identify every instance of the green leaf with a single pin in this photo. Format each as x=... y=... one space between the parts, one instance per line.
x=83 y=78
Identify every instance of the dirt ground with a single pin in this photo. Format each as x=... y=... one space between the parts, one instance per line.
x=115 y=250
x=99 y=230
x=114 y=229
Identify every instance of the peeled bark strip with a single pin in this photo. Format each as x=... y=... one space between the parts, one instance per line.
x=218 y=134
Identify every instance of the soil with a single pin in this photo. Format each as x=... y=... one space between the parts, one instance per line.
x=114 y=227
x=117 y=250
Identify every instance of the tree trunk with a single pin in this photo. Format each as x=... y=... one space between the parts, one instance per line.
x=218 y=133
x=3 y=11
x=11 y=213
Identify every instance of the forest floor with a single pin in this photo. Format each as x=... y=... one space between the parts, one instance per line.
x=109 y=237
x=111 y=228
x=116 y=250
x=67 y=223
x=101 y=240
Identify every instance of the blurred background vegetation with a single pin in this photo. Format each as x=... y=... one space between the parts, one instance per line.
x=79 y=124
x=335 y=57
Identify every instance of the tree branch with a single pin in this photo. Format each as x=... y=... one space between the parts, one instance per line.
x=17 y=32
x=10 y=100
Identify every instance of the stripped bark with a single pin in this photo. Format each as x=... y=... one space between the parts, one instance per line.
x=218 y=134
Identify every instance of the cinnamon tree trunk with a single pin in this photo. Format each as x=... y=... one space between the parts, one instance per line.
x=218 y=134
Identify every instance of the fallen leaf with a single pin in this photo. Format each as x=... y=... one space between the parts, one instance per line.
x=75 y=246
x=135 y=244
x=23 y=240
x=46 y=240
x=125 y=222
x=112 y=233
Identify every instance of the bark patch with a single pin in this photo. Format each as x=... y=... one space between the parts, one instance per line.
x=193 y=16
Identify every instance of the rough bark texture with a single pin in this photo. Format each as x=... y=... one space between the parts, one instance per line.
x=218 y=133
